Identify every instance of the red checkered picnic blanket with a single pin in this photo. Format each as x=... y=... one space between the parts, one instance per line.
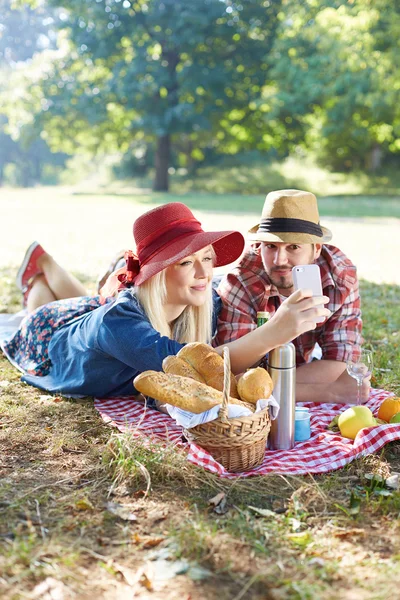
x=324 y=451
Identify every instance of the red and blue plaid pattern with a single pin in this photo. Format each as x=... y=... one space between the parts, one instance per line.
x=324 y=451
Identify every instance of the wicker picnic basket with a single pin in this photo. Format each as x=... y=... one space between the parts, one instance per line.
x=238 y=444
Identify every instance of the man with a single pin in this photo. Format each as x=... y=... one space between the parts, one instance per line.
x=289 y=234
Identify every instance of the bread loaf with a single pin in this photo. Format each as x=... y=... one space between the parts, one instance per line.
x=254 y=385
x=180 y=391
x=209 y=364
x=178 y=366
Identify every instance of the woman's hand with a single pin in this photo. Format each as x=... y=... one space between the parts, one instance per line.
x=296 y=315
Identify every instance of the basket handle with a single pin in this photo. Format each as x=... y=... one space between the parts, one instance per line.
x=223 y=413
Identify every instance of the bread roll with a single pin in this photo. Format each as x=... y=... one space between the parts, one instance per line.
x=209 y=364
x=178 y=366
x=254 y=385
x=180 y=391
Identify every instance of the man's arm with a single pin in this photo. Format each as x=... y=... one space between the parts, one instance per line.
x=341 y=334
x=341 y=391
x=320 y=371
x=326 y=380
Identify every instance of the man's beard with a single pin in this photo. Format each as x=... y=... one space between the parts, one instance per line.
x=282 y=283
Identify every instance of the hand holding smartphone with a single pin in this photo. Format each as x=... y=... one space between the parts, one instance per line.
x=308 y=277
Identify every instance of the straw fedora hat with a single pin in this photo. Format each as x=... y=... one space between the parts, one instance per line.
x=170 y=232
x=290 y=216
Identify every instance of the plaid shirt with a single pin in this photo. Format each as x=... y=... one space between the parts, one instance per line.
x=247 y=290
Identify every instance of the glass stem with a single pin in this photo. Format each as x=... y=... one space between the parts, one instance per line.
x=359 y=384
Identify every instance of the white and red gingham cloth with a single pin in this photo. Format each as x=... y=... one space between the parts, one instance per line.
x=324 y=451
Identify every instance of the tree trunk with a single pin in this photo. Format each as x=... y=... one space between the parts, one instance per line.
x=374 y=159
x=162 y=163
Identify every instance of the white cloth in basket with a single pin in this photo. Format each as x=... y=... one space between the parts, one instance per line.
x=188 y=419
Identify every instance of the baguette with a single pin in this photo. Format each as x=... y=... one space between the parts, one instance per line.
x=178 y=366
x=255 y=384
x=183 y=392
x=209 y=364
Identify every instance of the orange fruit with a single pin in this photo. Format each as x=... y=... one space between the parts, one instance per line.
x=388 y=409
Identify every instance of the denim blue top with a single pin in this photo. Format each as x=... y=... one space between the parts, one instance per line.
x=101 y=352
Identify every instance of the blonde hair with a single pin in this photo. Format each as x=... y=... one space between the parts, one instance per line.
x=192 y=325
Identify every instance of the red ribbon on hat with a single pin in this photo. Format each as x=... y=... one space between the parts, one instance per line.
x=132 y=269
x=121 y=278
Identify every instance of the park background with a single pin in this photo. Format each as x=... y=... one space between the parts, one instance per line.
x=113 y=104
x=111 y=107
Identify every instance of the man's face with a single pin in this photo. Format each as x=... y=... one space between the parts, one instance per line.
x=278 y=259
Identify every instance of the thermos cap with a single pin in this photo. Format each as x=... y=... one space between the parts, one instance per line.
x=282 y=357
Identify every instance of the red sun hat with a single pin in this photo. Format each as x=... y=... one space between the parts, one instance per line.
x=170 y=232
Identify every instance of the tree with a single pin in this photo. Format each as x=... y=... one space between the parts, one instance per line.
x=336 y=80
x=24 y=32
x=154 y=70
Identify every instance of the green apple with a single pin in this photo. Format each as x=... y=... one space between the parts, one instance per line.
x=395 y=418
x=352 y=420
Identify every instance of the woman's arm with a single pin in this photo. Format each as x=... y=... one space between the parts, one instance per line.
x=296 y=315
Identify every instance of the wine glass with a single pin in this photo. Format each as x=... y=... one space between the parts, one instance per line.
x=359 y=366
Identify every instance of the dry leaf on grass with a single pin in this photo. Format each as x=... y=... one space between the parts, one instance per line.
x=349 y=533
x=84 y=504
x=128 y=574
x=123 y=511
x=264 y=512
x=146 y=582
x=50 y=589
x=157 y=574
x=218 y=503
x=147 y=541
x=157 y=515
x=393 y=481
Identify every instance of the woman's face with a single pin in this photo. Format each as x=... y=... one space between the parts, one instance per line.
x=188 y=281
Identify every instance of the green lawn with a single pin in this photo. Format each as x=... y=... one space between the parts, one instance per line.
x=358 y=206
x=242 y=188
x=282 y=538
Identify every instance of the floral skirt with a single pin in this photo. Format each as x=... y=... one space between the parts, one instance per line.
x=28 y=348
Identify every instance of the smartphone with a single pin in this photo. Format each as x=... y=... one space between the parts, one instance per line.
x=308 y=277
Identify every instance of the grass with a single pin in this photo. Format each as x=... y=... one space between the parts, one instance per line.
x=283 y=538
x=242 y=188
x=359 y=206
x=339 y=194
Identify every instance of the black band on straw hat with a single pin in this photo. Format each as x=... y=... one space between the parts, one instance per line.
x=278 y=225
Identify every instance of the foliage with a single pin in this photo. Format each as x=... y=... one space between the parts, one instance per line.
x=336 y=79
x=145 y=71
x=256 y=177
x=23 y=33
x=177 y=83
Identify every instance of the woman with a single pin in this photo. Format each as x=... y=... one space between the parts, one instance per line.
x=80 y=348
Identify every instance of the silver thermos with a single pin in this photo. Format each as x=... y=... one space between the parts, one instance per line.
x=282 y=368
